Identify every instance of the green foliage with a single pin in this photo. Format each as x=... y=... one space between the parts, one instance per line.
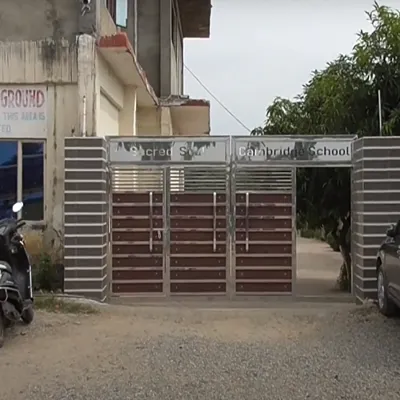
x=311 y=233
x=342 y=99
x=47 y=276
x=46 y=257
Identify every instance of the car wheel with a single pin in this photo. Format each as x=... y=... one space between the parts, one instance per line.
x=385 y=304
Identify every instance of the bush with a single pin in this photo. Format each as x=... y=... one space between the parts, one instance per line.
x=311 y=233
x=46 y=256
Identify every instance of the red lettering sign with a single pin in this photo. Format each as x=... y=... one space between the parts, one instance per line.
x=21 y=98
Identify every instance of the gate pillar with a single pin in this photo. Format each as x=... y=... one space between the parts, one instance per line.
x=375 y=205
x=86 y=242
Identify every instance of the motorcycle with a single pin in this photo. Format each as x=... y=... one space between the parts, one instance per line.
x=16 y=291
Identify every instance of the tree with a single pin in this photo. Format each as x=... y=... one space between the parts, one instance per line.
x=342 y=99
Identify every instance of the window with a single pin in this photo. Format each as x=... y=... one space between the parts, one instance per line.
x=22 y=178
x=8 y=177
x=118 y=10
x=32 y=181
x=121 y=13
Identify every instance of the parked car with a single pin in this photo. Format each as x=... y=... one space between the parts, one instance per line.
x=388 y=272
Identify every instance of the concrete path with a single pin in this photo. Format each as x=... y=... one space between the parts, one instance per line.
x=318 y=268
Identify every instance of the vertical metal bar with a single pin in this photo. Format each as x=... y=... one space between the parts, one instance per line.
x=19 y=175
x=215 y=222
x=46 y=210
x=167 y=229
x=247 y=220
x=294 y=231
x=151 y=221
x=229 y=192
x=352 y=234
x=109 y=196
x=380 y=112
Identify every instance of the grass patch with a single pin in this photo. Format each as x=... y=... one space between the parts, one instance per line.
x=57 y=305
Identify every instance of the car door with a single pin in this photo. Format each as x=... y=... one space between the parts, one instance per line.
x=395 y=272
x=392 y=263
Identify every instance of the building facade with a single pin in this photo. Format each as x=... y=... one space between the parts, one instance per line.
x=72 y=68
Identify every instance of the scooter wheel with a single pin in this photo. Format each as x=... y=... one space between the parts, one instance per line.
x=27 y=315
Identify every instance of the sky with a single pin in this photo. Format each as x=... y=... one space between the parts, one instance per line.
x=260 y=49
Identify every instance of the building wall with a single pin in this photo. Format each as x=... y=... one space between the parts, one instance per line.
x=149 y=28
x=153 y=121
x=148 y=40
x=52 y=66
x=38 y=19
x=162 y=61
x=111 y=100
x=108 y=122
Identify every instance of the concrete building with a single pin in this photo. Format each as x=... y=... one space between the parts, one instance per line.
x=89 y=68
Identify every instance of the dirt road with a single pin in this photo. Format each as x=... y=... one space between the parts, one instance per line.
x=287 y=351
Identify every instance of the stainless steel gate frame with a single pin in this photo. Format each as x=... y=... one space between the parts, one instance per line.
x=232 y=153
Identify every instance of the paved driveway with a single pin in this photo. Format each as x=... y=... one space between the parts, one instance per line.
x=287 y=351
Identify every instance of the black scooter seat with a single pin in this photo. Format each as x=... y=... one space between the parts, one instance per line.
x=5 y=267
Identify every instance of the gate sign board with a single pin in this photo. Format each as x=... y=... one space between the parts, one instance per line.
x=23 y=111
x=292 y=150
x=126 y=150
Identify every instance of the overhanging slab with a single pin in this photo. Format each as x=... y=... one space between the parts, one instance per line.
x=195 y=18
x=118 y=52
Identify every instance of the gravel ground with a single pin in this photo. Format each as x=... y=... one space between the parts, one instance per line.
x=287 y=351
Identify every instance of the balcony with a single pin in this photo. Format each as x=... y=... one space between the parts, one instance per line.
x=195 y=18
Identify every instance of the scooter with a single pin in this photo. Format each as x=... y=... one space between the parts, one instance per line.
x=16 y=292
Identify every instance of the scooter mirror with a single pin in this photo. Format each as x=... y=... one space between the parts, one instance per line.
x=17 y=207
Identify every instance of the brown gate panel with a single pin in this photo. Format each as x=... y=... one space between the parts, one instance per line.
x=198 y=248
x=137 y=243
x=263 y=243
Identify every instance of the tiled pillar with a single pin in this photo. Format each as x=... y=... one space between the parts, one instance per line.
x=375 y=205
x=86 y=240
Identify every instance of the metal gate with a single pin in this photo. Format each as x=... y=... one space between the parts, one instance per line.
x=215 y=229
x=170 y=221
x=138 y=230
x=264 y=230
x=198 y=230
